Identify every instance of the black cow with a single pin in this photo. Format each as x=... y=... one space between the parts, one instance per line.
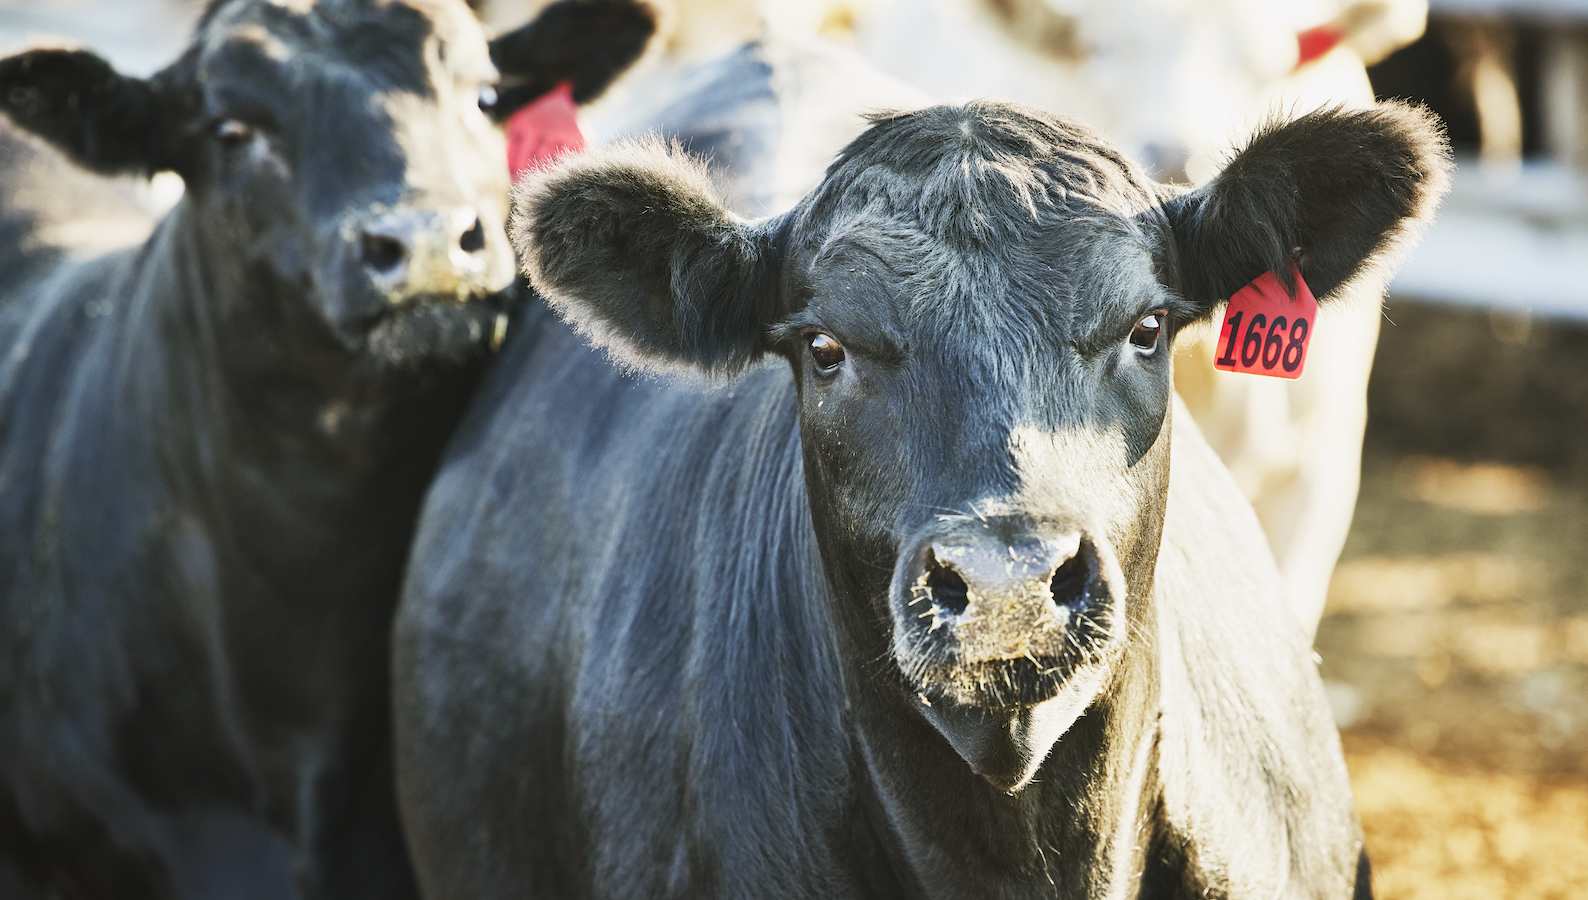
x=213 y=445
x=910 y=600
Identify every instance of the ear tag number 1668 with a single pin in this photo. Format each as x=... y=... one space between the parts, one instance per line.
x=1265 y=332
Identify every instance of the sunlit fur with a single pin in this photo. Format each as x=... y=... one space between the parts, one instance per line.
x=1262 y=214
x=646 y=643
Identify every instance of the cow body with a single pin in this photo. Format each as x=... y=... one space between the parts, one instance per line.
x=618 y=676
x=213 y=445
x=186 y=694
x=920 y=602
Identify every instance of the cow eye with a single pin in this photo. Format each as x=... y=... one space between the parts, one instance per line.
x=827 y=352
x=1145 y=334
x=232 y=133
x=489 y=98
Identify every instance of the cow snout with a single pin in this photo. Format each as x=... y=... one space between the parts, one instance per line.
x=1002 y=600
x=444 y=253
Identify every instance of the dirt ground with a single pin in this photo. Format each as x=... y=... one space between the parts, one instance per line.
x=1455 y=644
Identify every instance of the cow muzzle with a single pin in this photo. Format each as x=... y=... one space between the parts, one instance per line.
x=994 y=614
x=1006 y=632
x=440 y=254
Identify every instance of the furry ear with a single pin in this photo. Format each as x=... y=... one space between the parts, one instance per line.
x=1332 y=191
x=585 y=42
x=633 y=246
x=102 y=120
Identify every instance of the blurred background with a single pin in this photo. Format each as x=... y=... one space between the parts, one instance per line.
x=1454 y=642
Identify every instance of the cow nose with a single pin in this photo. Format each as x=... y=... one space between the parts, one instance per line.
x=1000 y=599
x=416 y=252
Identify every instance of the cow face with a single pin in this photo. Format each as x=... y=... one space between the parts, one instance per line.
x=333 y=150
x=982 y=349
x=979 y=305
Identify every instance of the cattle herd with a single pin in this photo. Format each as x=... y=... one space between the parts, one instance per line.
x=855 y=548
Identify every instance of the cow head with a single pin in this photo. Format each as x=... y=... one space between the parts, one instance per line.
x=979 y=305
x=332 y=150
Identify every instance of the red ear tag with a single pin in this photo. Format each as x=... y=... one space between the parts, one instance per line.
x=1265 y=332
x=542 y=130
x=1313 y=43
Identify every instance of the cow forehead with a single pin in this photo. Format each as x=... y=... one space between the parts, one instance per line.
x=383 y=39
x=1075 y=279
x=447 y=13
x=977 y=173
x=984 y=213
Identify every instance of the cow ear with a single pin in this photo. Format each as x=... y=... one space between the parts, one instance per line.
x=633 y=246
x=101 y=119
x=1332 y=191
x=587 y=43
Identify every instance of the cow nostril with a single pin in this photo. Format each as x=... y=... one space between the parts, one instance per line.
x=1070 y=581
x=473 y=240
x=383 y=253
x=947 y=588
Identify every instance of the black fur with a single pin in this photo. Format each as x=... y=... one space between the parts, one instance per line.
x=214 y=442
x=585 y=42
x=1326 y=191
x=104 y=121
x=660 y=638
x=681 y=278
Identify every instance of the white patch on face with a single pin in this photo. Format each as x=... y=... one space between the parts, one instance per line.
x=443 y=161
x=1081 y=472
x=271 y=46
x=453 y=171
x=300 y=7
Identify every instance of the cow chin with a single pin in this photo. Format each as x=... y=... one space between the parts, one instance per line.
x=1002 y=717
x=1006 y=745
x=426 y=332
x=418 y=325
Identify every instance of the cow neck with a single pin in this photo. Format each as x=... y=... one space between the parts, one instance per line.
x=951 y=833
x=305 y=490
